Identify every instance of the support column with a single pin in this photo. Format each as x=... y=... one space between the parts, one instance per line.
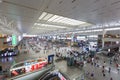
x=103 y=42
x=119 y=48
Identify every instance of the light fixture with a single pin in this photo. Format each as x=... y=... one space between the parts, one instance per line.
x=47 y=25
x=95 y=30
x=110 y=29
x=57 y=19
x=68 y=21
x=41 y=28
x=60 y=19
x=47 y=16
x=43 y=15
x=95 y=36
x=53 y=18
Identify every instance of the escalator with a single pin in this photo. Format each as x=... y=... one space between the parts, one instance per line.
x=33 y=75
x=111 y=47
x=50 y=77
x=48 y=73
x=54 y=75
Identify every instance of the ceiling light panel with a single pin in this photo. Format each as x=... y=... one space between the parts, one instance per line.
x=53 y=18
x=111 y=29
x=47 y=16
x=68 y=21
x=57 y=19
x=93 y=36
x=43 y=15
x=49 y=26
x=44 y=28
x=60 y=19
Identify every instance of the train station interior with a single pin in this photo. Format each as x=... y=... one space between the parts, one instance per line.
x=59 y=39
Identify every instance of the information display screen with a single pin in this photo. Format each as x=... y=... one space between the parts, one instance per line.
x=14 y=40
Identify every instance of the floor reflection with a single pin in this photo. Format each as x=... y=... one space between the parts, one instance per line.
x=7 y=59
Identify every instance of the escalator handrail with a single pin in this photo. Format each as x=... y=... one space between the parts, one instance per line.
x=44 y=74
x=47 y=68
x=65 y=75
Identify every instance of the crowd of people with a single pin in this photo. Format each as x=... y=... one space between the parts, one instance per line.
x=96 y=63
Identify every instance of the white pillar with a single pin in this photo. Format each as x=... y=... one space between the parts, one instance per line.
x=119 y=49
x=103 y=42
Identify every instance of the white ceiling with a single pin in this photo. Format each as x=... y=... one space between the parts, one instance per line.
x=26 y=12
x=94 y=11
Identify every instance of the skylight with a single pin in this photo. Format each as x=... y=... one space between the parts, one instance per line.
x=44 y=28
x=60 y=19
x=43 y=15
x=111 y=29
x=47 y=25
x=95 y=36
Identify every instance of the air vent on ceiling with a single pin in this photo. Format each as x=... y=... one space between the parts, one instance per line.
x=104 y=6
x=117 y=8
x=74 y=7
x=95 y=10
x=60 y=11
x=47 y=7
x=73 y=1
x=116 y=2
x=100 y=13
x=60 y=2
x=96 y=1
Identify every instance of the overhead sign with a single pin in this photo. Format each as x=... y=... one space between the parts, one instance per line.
x=14 y=40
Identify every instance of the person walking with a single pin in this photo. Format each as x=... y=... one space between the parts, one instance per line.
x=103 y=71
x=111 y=78
x=92 y=75
x=110 y=61
x=118 y=70
x=103 y=74
x=103 y=67
x=104 y=63
x=117 y=67
x=94 y=63
x=109 y=70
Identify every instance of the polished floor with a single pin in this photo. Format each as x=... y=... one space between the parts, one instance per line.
x=72 y=72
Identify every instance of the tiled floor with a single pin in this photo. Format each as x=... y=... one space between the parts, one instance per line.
x=72 y=72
